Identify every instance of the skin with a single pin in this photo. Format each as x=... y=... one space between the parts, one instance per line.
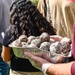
x=60 y=69
x=54 y=69
x=6 y=53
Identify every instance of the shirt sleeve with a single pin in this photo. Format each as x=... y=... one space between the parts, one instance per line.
x=8 y=38
x=73 y=68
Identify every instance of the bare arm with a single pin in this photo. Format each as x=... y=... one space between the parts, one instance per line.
x=60 y=69
x=6 y=53
x=53 y=69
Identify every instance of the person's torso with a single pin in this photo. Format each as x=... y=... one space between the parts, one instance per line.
x=17 y=64
x=62 y=17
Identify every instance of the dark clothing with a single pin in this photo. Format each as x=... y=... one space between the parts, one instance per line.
x=18 y=64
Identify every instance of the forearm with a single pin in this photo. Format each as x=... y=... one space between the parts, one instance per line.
x=6 y=54
x=60 y=69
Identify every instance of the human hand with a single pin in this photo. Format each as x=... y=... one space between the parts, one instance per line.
x=45 y=56
x=41 y=62
x=56 y=37
x=36 y=58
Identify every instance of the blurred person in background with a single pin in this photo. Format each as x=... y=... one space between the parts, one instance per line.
x=61 y=13
x=4 y=24
x=44 y=8
x=25 y=19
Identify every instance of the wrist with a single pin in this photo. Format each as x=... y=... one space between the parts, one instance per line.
x=45 y=67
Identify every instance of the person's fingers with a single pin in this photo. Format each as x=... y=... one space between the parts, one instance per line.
x=38 y=54
x=56 y=37
x=28 y=54
x=33 y=57
x=47 y=57
x=42 y=55
x=36 y=59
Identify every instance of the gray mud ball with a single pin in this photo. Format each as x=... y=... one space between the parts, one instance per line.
x=23 y=38
x=36 y=41
x=30 y=38
x=65 y=40
x=45 y=37
x=66 y=45
x=45 y=46
x=55 y=48
x=32 y=46
x=24 y=44
x=17 y=43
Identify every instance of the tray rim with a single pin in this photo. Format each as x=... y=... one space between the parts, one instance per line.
x=10 y=45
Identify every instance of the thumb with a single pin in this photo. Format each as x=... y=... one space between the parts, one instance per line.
x=36 y=59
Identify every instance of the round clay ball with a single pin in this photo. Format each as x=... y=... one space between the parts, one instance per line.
x=45 y=37
x=66 y=45
x=55 y=48
x=17 y=43
x=45 y=46
x=24 y=44
x=23 y=38
x=32 y=46
x=37 y=42
x=65 y=40
x=30 y=38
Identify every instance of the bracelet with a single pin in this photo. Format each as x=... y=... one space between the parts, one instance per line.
x=45 y=67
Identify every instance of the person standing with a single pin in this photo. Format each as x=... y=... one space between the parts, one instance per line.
x=26 y=20
x=44 y=8
x=61 y=13
x=63 y=16
x=4 y=24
